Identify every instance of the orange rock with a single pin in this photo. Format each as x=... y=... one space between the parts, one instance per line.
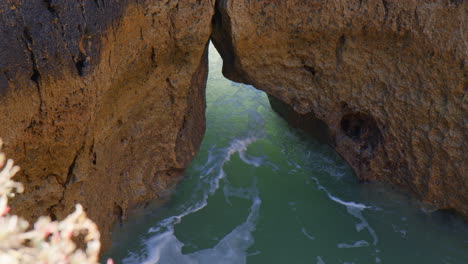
x=387 y=80
x=101 y=102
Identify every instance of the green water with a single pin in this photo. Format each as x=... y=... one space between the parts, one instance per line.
x=260 y=192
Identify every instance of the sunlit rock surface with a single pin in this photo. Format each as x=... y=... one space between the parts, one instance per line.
x=388 y=79
x=102 y=102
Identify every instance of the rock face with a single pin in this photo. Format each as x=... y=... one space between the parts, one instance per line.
x=386 y=79
x=101 y=101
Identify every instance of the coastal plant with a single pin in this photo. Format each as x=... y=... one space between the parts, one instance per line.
x=47 y=241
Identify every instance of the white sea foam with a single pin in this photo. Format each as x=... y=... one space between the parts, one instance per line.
x=358 y=206
x=354 y=209
x=231 y=191
x=233 y=247
x=309 y=236
x=251 y=160
x=320 y=260
x=240 y=146
x=357 y=244
x=164 y=247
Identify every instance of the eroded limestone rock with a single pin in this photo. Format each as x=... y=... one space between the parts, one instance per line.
x=388 y=78
x=101 y=101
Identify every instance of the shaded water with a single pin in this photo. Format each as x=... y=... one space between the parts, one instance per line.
x=260 y=192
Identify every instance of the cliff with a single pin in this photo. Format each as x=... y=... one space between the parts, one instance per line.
x=102 y=102
x=385 y=80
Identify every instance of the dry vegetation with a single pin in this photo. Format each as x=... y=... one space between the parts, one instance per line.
x=46 y=241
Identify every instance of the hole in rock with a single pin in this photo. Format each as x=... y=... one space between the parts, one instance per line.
x=362 y=129
x=118 y=211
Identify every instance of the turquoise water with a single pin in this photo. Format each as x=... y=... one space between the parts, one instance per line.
x=260 y=192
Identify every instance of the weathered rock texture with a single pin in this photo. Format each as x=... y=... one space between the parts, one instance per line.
x=101 y=101
x=388 y=78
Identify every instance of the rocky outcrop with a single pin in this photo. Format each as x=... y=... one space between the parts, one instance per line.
x=101 y=101
x=386 y=79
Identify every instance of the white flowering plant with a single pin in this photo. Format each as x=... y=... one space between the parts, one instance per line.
x=47 y=241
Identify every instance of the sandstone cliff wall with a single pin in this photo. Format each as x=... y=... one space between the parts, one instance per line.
x=387 y=80
x=101 y=102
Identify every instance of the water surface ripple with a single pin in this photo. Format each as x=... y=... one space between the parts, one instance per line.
x=260 y=192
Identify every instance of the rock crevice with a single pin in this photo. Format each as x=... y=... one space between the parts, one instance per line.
x=103 y=101
x=86 y=108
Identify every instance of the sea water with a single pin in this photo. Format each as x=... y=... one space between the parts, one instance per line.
x=261 y=192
